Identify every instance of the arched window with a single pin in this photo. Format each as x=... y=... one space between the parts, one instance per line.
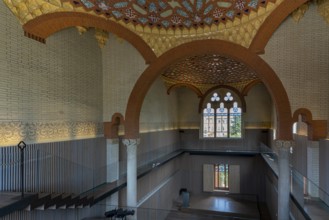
x=222 y=116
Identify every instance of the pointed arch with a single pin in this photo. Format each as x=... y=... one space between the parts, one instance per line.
x=248 y=87
x=191 y=87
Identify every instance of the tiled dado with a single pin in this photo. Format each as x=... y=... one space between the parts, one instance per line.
x=37 y=132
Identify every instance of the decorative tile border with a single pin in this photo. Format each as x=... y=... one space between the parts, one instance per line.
x=38 y=132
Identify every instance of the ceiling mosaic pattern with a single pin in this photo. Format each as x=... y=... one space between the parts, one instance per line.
x=172 y=14
x=209 y=69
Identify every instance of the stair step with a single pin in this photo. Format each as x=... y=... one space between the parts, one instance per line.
x=12 y=201
x=65 y=198
x=39 y=201
x=84 y=201
x=54 y=199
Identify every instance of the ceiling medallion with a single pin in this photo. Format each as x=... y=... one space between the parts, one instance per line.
x=172 y=14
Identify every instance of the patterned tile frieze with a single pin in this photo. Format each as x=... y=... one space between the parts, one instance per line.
x=38 y=132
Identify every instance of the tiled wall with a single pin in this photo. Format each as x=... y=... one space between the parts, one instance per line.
x=48 y=90
x=122 y=65
x=298 y=53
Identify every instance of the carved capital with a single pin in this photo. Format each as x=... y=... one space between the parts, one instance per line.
x=131 y=142
x=284 y=148
x=284 y=144
x=131 y=145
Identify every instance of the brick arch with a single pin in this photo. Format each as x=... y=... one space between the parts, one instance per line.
x=271 y=23
x=45 y=25
x=305 y=113
x=111 y=129
x=236 y=52
x=317 y=129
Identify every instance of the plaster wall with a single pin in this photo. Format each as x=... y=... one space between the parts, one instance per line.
x=160 y=110
x=251 y=173
x=258 y=104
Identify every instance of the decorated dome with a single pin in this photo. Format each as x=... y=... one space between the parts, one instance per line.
x=172 y=14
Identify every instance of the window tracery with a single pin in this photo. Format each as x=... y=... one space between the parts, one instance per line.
x=222 y=116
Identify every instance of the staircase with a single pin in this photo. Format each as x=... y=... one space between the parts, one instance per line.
x=12 y=201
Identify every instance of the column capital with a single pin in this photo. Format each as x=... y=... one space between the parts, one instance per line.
x=284 y=144
x=131 y=142
x=113 y=141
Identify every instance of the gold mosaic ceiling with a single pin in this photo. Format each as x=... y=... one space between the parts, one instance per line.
x=207 y=71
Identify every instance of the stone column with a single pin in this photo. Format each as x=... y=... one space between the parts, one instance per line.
x=112 y=170
x=131 y=145
x=284 y=179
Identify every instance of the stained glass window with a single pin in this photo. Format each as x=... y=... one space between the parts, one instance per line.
x=221 y=176
x=221 y=121
x=235 y=121
x=208 y=121
x=222 y=117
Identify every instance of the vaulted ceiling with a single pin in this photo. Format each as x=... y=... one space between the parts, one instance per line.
x=204 y=72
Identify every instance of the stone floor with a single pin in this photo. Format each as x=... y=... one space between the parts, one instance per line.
x=205 y=207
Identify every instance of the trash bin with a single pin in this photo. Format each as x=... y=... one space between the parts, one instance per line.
x=186 y=199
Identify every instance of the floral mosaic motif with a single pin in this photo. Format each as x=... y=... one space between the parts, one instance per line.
x=173 y=13
x=11 y=132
